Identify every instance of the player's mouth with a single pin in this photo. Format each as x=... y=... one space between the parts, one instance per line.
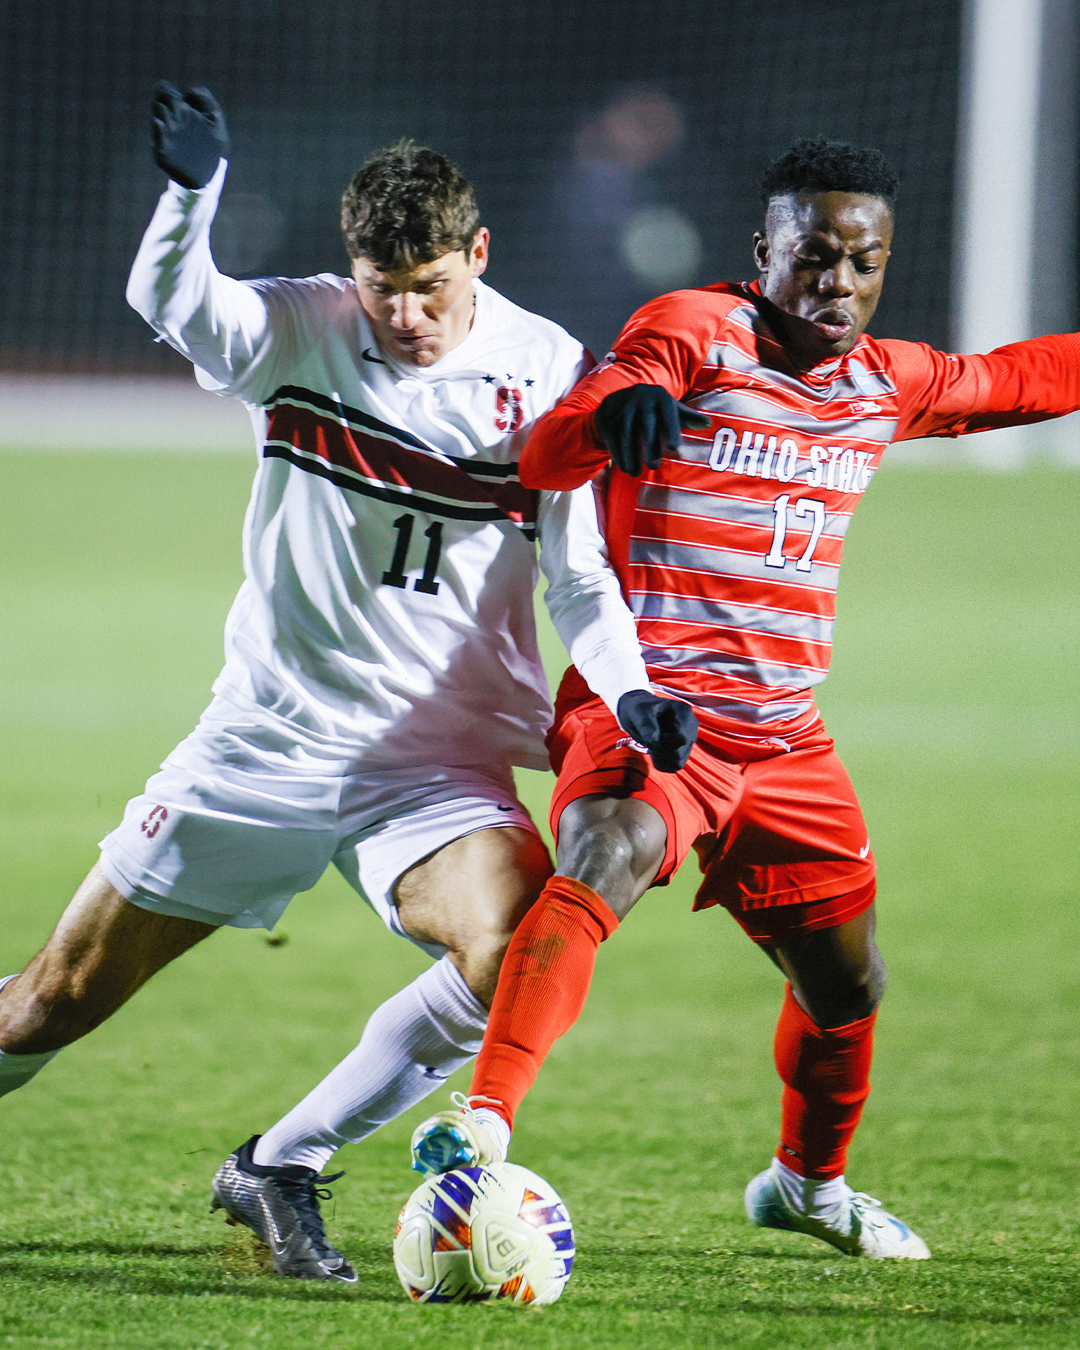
x=833 y=324
x=415 y=342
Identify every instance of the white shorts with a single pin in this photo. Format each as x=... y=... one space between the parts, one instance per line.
x=241 y=818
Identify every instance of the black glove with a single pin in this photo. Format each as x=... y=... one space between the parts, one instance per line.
x=187 y=133
x=642 y=421
x=665 y=726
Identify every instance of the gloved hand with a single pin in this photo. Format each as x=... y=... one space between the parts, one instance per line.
x=639 y=422
x=187 y=133
x=666 y=727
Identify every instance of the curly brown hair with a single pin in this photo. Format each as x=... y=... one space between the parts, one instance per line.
x=408 y=205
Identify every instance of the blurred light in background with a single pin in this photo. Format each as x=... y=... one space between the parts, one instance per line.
x=661 y=247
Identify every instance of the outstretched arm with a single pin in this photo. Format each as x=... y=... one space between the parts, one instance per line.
x=948 y=395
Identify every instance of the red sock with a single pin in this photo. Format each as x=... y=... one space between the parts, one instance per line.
x=542 y=987
x=826 y=1075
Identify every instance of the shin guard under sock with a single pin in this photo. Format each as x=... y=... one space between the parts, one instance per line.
x=826 y=1076
x=542 y=988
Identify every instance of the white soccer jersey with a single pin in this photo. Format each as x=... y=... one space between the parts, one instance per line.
x=387 y=606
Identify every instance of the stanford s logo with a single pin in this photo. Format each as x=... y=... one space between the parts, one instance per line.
x=152 y=823
x=509 y=414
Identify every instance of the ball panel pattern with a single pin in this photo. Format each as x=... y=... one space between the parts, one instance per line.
x=478 y=1233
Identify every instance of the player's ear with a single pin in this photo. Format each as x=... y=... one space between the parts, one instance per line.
x=479 y=251
x=761 y=252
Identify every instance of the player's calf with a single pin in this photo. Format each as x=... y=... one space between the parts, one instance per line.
x=470 y=896
x=17 y=1070
x=101 y=952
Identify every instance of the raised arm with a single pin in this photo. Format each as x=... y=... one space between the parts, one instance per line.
x=947 y=395
x=218 y=323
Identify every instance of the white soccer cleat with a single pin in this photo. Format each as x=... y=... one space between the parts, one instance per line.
x=455 y=1139
x=857 y=1224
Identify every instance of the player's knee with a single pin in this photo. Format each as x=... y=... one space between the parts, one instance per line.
x=612 y=850
x=850 y=996
x=868 y=980
x=599 y=854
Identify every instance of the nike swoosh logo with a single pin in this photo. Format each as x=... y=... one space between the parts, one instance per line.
x=503 y=808
x=375 y=360
x=865 y=849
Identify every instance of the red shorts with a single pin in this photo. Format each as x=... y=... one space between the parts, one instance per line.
x=781 y=840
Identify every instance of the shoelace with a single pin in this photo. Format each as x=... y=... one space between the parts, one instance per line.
x=866 y=1211
x=304 y=1196
x=465 y=1103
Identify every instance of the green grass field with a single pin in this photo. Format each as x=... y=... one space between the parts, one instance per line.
x=954 y=702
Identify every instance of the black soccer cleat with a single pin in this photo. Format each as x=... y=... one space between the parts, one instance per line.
x=281 y=1207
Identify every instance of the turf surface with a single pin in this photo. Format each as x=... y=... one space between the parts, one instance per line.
x=954 y=702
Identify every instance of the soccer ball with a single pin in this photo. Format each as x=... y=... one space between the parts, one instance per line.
x=478 y=1233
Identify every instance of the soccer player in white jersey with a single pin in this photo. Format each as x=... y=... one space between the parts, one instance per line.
x=382 y=674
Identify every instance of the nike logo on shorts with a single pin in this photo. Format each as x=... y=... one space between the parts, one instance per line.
x=864 y=851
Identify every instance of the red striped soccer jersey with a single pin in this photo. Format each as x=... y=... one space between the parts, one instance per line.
x=729 y=553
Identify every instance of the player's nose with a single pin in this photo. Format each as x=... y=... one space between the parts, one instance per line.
x=407 y=309
x=838 y=280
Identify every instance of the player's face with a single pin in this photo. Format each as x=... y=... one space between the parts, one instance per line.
x=419 y=314
x=822 y=261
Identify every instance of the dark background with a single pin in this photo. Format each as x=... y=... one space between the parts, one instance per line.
x=572 y=118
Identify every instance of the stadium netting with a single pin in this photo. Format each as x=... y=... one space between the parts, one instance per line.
x=615 y=148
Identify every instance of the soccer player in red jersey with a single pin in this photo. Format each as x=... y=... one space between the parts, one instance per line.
x=732 y=432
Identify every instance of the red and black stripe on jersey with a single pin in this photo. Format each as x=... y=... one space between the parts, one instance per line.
x=359 y=453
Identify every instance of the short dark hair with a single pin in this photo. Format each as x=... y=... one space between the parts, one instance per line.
x=815 y=164
x=408 y=205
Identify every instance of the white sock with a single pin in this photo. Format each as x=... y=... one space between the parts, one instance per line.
x=15 y=1070
x=807 y=1196
x=495 y=1123
x=412 y=1043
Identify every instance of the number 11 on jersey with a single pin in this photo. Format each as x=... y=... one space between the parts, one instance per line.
x=395 y=575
